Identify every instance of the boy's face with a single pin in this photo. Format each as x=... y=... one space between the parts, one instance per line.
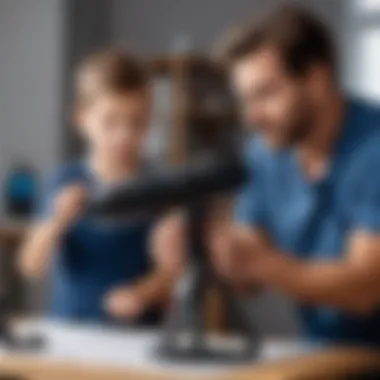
x=115 y=125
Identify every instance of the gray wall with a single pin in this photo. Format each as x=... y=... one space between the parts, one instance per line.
x=87 y=29
x=30 y=77
x=31 y=65
x=149 y=26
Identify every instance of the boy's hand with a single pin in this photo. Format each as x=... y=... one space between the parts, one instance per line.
x=168 y=244
x=69 y=204
x=124 y=303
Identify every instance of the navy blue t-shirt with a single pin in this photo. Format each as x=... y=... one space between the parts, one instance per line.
x=312 y=220
x=95 y=256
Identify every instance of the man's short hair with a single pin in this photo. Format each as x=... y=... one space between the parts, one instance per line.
x=299 y=36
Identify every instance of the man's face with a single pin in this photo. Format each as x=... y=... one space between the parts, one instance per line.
x=278 y=105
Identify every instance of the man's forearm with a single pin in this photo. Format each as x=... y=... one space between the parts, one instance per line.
x=337 y=284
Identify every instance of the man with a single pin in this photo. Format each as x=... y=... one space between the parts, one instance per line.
x=308 y=221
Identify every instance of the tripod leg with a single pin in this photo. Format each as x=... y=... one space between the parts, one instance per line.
x=241 y=318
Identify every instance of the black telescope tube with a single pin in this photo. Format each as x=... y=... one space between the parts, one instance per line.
x=178 y=186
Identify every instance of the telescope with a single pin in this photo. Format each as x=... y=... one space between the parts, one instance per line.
x=190 y=186
x=178 y=186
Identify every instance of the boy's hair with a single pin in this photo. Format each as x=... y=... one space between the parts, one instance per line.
x=299 y=36
x=114 y=71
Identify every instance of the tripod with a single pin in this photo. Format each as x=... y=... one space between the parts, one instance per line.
x=184 y=335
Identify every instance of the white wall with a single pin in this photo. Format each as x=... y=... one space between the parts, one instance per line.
x=31 y=49
x=363 y=48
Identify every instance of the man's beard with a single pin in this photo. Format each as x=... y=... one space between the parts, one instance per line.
x=300 y=128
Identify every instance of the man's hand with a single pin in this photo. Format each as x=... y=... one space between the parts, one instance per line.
x=350 y=283
x=69 y=205
x=124 y=303
x=236 y=253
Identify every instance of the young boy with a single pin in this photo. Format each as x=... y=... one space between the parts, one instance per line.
x=102 y=271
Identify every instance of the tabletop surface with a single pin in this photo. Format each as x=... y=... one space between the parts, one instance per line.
x=94 y=353
x=128 y=348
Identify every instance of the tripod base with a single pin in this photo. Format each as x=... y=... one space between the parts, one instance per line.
x=185 y=338
x=206 y=353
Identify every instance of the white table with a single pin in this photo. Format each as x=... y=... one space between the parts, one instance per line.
x=92 y=353
x=128 y=349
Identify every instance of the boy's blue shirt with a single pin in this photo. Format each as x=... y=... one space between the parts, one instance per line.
x=312 y=220
x=95 y=256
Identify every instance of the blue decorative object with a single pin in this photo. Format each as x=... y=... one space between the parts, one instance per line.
x=20 y=190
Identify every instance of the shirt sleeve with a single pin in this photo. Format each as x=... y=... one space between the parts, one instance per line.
x=53 y=184
x=249 y=207
x=47 y=194
x=366 y=207
x=367 y=210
